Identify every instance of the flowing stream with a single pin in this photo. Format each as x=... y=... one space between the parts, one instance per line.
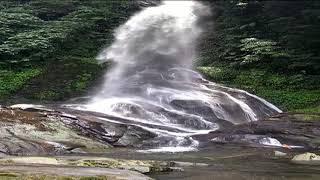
x=152 y=85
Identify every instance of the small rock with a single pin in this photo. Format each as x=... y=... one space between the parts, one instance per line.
x=141 y=169
x=279 y=154
x=307 y=158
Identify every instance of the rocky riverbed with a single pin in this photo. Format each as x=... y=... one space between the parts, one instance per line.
x=37 y=142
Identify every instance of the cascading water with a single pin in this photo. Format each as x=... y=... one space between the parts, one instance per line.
x=151 y=83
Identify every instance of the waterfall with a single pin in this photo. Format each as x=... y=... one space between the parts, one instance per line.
x=152 y=84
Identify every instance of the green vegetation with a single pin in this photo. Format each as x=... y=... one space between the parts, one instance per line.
x=269 y=48
x=13 y=80
x=309 y=110
x=48 y=48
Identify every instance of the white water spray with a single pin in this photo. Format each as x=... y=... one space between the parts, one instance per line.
x=151 y=83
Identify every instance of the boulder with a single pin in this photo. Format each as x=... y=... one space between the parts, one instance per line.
x=307 y=158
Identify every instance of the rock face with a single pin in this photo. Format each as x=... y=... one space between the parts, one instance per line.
x=38 y=131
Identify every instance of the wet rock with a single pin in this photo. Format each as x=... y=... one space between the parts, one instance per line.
x=285 y=130
x=133 y=137
x=29 y=133
x=33 y=130
x=195 y=107
x=307 y=158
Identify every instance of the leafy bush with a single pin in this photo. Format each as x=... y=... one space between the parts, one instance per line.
x=11 y=81
x=218 y=73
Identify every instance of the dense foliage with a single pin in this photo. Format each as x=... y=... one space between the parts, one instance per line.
x=270 y=48
x=48 y=47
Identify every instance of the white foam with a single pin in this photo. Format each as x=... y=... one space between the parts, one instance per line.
x=169 y=149
x=268 y=141
x=174 y=149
